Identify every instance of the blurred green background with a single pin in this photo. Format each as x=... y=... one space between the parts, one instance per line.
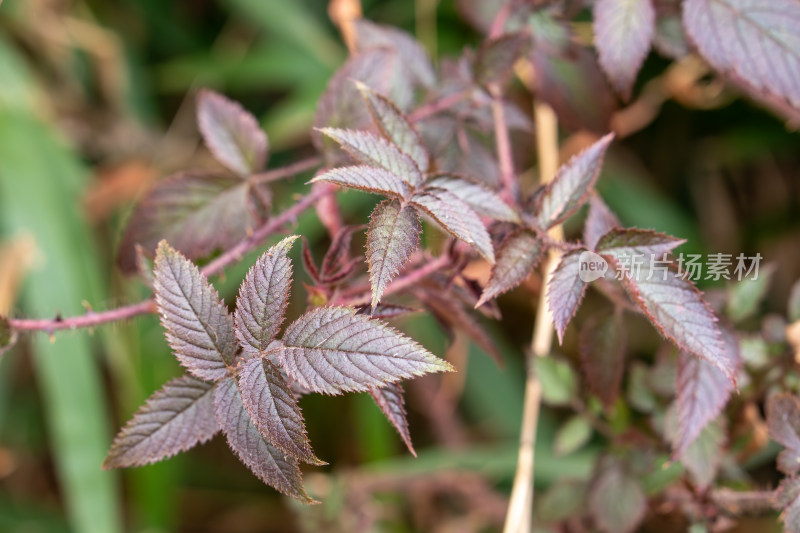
x=96 y=103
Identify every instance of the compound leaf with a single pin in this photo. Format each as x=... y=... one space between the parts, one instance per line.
x=392 y=236
x=754 y=43
x=231 y=133
x=456 y=217
x=365 y=178
x=571 y=184
x=623 y=30
x=391 y=399
x=273 y=408
x=267 y=463
x=333 y=350
x=173 y=419
x=263 y=298
x=199 y=328
x=565 y=291
x=377 y=151
x=517 y=255
x=395 y=126
x=480 y=198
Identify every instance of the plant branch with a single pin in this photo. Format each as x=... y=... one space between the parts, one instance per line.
x=91 y=318
x=431 y=108
x=287 y=171
x=519 y=517
x=504 y=154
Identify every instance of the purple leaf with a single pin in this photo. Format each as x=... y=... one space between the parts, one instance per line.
x=702 y=392
x=788 y=499
x=517 y=255
x=572 y=183
x=783 y=419
x=676 y=308
x=622 y=243
x=333 y=350
x=415 y=63
x=599 y=221
x=174 y=419
x=480 y=198
x=495 y=58
x=336 y=258
x=395 y=126
x=623 y=30
x=754 y=43
x=390 y=398
x=456 y=217
x=616 y=500
x=263 y=298
x=669 y=37
x=602 y=350
x=267 y=463
x=565 y=291
x=196 y=212
x=308 y=262
x=377 y=151
x=369 y=179
x=199 y=328
x=273 y=409
x=392 y=236
x=386 y=310
x=231 y=133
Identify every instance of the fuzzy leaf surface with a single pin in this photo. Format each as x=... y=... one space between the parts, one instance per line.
x=268 y=464
x=199 y=328
x=457 y=218
x=571 y=185
x=622 y=243
x=391 y=400
x=334 y=350
x=616 y=500
x=377 y=151
x=601 y=346
x=495 y=58
x=702 y=392
x=480 y=198
x=263 y=297
x=754 y=43
x=623 y=30
x=565 y=291
x=174 y=419
x=783 y=419
x=196 y=212
x=273 y=409
x=392 y=236
x=365 y=178
x=395 y=126
x=516 y=257
x=231 y=133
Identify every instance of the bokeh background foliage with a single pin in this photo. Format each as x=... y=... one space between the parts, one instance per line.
x=96 y=103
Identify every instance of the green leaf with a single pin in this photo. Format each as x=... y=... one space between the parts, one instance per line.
x=377 y=151
x=746 y=295
x=392 y=237
x=199 y=328
x=334 y=350
x=457 y=218
x=268 y=464
x=391 y=400
x=519 y=252
x=793 y=311
x=369 y=179
x=273 y=409
x=572 y=436
x=174 y=419
x=558 y=380
x=571 y=185
x=197 y=212
x=231 y=133
x=616 y=500
x=396 y=127
x=263 y=298
x=480 y=198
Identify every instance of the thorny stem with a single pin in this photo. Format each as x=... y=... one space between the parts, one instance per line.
x=519 y=517
x=233 y=254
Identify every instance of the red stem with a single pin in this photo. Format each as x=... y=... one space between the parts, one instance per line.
x=431 y=108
